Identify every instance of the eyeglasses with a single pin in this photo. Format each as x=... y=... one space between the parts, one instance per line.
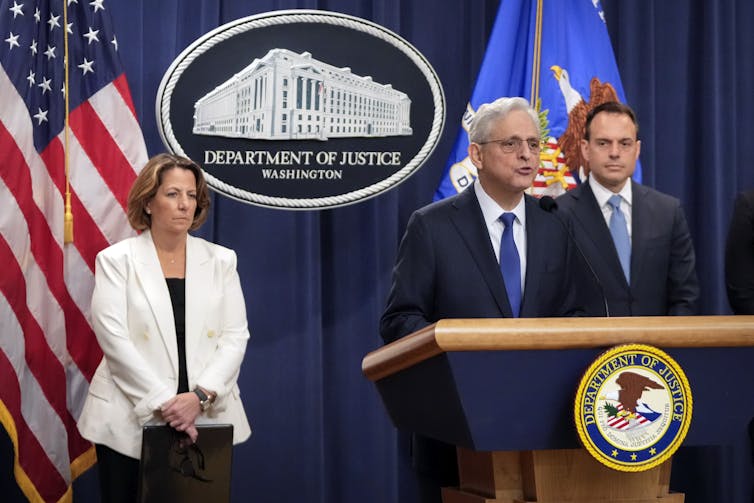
x=624 y=145
x=513 y=144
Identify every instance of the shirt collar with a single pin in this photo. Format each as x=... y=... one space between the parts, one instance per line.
x=492 y=211
x=602 y=194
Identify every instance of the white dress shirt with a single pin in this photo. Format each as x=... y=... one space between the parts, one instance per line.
x=602 y=195
x=492 y=212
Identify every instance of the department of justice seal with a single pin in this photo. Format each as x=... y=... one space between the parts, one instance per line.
x=633 y=408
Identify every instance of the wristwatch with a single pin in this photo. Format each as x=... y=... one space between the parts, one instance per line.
x=204 y=401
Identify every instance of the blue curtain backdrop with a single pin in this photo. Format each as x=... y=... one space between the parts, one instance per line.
x=316 y=282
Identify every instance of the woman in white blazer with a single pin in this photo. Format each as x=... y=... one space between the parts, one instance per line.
x=170 y=317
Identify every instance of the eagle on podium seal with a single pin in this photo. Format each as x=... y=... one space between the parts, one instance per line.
x=633 y=408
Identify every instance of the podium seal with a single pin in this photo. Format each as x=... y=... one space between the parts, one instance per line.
x=633 y=408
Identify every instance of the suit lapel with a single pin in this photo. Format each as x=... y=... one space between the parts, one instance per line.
x=641 y=216
x=152 y=281
x=469 y=222
x=536 y=238
x=589 y=215
x=198 y=291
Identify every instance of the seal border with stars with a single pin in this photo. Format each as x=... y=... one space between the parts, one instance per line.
x=655 y=452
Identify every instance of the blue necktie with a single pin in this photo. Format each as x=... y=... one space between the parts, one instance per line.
x=510 y=264
x=619 y=231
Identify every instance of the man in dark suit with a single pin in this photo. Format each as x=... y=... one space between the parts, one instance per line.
x=635 y=238
x=739 y=266
x=739 y=255
x=449 y=263
x=489 y=252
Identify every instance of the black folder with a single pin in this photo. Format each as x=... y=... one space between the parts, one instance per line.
x=173 y=469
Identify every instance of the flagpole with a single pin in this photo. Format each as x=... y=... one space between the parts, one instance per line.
x=68 y=218
x=537 y=57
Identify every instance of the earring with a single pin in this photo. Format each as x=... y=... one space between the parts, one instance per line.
x=149 y=212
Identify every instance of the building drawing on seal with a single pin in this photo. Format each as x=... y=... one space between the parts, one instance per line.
x=288 y=96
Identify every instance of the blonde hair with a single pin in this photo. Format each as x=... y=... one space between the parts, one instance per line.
x=149 y=180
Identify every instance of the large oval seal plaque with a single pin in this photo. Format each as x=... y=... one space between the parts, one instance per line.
x=302 y=109
x=633 y=407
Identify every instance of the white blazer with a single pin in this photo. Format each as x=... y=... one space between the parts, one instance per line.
x=133 y=320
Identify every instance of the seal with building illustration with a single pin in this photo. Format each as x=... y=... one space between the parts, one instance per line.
x=302 y=109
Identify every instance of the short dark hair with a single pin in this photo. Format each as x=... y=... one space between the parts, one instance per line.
x=149 y=180
x=610 y=107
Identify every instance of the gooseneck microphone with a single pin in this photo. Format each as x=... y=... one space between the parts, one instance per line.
x=549 y=204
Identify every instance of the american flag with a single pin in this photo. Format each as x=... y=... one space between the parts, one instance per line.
x=48 y=352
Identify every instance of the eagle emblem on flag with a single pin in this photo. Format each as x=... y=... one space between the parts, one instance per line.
x=561 y=162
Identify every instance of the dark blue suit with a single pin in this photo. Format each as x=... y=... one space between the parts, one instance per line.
x=663 y=274
x=446 y=268
x=739 y=255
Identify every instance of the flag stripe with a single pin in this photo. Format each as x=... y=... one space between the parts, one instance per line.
x=92 y=192
x=36 y=412
x=45 y=308
x=91 y=238
x=122 y=86
x=47 y=253
x=48 y=257
x=31 y=456
x=112 y=166
x=42 y=348
x=18 y=128
x=41 y=361
x=116 y=112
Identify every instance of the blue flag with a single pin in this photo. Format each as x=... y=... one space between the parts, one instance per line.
x=562 y=58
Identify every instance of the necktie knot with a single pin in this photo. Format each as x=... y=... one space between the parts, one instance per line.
x=508 y=219
x=615 y=201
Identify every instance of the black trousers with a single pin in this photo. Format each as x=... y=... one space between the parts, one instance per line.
x=118 y=476
x=436 y=466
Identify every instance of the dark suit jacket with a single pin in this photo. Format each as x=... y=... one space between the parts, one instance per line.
x=739 y=255
x=663 y=267
x=446 y=268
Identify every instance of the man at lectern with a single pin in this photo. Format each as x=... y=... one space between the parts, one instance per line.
x=489 y=252
x=635 y=238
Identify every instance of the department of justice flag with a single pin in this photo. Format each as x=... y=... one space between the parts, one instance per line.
x=554 y=51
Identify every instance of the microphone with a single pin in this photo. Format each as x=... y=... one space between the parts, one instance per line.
x=549 y=204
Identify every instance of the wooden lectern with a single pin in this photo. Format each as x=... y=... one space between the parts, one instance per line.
x=502 y=391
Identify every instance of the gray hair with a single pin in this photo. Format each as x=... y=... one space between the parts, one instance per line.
x=489 y=113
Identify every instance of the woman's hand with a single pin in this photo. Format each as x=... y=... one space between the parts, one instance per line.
x=181 y=411
x=193 y=433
